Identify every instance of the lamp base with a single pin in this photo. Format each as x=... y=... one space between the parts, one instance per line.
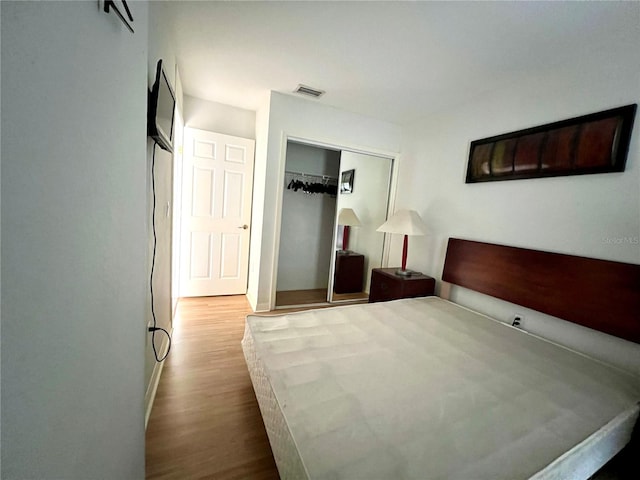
x=404 y=273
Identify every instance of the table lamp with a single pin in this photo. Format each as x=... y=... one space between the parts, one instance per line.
x=404 y=222
x=348 y=218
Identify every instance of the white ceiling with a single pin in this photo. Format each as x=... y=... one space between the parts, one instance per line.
x=397 y=61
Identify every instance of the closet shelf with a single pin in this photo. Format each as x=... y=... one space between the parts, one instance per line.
x=326 y=179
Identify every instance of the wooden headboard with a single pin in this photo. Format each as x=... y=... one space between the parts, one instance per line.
x=598 y=294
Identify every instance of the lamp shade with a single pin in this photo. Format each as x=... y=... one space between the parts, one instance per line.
x=347 y=216
x=404 y=222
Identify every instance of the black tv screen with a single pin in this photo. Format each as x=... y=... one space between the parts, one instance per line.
x=162 y=104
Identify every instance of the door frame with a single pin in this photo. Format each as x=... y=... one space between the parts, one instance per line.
x=328 y=144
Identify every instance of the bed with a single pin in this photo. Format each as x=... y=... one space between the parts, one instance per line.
x=426 y=389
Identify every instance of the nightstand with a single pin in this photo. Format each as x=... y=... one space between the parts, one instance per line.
x=386 y=285
x=349 y=272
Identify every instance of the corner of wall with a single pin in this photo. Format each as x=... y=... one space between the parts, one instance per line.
x=257 y=212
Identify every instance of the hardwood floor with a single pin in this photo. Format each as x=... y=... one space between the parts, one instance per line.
x=301 y=297
x=205 y=421
x=316 y=297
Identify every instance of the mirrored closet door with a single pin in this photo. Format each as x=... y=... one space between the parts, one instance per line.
x=361 y=207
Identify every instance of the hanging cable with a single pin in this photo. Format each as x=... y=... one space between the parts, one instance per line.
x=155 y=328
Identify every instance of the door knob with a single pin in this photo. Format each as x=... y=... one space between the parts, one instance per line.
x=244 y=227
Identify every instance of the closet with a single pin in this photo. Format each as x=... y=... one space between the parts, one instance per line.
x=307 y=226
x=325 y=189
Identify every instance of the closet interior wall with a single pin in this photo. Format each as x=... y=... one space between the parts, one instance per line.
x=306 y=234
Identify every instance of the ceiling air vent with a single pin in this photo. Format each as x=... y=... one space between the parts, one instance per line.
x=312 y=92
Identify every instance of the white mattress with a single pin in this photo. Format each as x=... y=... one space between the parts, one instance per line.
x=424 y=389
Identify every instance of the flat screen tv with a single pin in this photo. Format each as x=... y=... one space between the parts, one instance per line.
x=161 y=106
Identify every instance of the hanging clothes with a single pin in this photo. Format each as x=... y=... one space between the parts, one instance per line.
x=312 y=184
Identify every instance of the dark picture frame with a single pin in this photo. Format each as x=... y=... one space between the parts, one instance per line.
x=594 y=143
x=346 y=181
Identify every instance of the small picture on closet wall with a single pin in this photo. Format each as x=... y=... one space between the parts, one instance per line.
x=346 y=181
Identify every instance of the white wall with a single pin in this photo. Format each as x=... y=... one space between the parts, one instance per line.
x=591 y=215
x=178 y=149
x=308 y=221
x=282 y=116
x=219 y=118
x=74 y=101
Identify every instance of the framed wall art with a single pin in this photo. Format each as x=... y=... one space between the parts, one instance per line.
x=346 y=181
x=595 y=143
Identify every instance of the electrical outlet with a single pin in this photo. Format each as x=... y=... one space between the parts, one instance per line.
x=517 y=320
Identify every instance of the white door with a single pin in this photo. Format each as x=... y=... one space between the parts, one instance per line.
x=216 y=213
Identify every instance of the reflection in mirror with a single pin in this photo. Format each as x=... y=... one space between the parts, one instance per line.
x=347 y=218
x=359 y=247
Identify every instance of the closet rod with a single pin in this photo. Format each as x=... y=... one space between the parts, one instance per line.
x=302 y=174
